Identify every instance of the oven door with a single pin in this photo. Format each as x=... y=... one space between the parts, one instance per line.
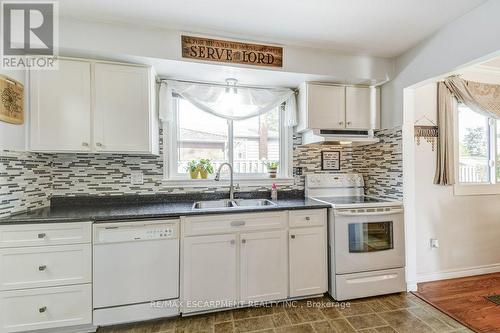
x=368 y=239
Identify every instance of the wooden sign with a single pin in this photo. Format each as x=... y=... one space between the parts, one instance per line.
x=232 y=52
x=11 y=101
x=330 y=160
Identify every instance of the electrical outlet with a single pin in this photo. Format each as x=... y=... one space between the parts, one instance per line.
x=137 y=178
x=434 y=243
x=297 y=171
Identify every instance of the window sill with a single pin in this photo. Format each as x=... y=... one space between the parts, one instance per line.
x=476 y=189
x=183 y=182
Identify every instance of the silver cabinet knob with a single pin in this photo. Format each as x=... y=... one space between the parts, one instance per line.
x=292 y=236
x=42 y=268
x=348 y=123
x=243 y=241
x=98 y=144
x=42 y=309
x=85 y=144
x=42 y=235
x=341 y=122
x=308 y=218
x=232 y=242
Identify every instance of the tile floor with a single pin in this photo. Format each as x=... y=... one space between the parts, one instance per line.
x=401 y=313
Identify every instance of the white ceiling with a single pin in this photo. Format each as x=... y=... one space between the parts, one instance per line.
x=373 y=27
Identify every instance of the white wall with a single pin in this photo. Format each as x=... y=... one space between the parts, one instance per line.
x=467 y=227
x=79 y=37
x=12 y=137
x=469 y=38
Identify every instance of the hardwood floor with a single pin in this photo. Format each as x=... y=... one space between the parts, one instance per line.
x=464 y=299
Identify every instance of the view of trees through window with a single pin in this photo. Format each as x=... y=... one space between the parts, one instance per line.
x=254 y=141
x=476 y=149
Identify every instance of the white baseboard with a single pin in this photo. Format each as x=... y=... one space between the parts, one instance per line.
x=411 y=286
x=458 y=273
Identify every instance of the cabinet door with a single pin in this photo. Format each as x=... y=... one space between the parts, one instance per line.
x=263 y=266
x=326 y=106
x=209 y=269
x=358 y=107
x=308 y=274
x=122 y=108
x=60 y=106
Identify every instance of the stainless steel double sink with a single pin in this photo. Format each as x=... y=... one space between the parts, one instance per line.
x=229 y=204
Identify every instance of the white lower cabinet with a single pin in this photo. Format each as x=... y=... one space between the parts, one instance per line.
x=45 y=308
x=209 y=272
x=240 y=261
x=45 y=266
x=263 y=266
x=308 y=261
x=45 y=277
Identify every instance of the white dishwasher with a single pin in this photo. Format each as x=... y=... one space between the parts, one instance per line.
x=136 y=271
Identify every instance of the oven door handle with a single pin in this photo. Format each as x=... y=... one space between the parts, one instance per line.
x=349 y=213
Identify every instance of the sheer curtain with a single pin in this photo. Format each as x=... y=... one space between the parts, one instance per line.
x=228 y=102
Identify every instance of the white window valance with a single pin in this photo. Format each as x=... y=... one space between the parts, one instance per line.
x=232 y=103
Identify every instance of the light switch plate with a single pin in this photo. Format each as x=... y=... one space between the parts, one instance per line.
x=137 y=178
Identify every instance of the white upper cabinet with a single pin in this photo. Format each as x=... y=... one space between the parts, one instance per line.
x=362 y=107
x=60 y=103
x=336 y=107
x=122 y=114
x=326 y=106
x=89 y=106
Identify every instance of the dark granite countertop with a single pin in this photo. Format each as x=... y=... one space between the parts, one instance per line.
x=101 y=209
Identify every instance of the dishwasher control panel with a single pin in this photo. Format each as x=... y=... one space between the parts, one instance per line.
x=112 y=233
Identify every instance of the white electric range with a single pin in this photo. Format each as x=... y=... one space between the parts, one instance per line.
x=365 y=237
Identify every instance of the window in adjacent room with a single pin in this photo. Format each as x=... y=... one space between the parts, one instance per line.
x=478 y=148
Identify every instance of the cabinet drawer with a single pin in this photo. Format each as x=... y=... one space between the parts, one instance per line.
x=222 y=223
x=307 y=217
x=20 y=235
x=32 y=267
x=45 y=308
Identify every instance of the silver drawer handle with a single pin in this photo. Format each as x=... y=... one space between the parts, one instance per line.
x=308 y=218
x=42 y=235
x=42 y=309
x=292 y=236
x=237 y=223
x=42 y=267
x=232 y=242
x=243 y=241
x=85 y=144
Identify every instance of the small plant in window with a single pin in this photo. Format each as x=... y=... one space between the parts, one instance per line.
x=272 y=168
x=205 y=166
x=193 y=169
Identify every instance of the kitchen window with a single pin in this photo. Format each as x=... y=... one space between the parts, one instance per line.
x=477 y=153
x=248 y=144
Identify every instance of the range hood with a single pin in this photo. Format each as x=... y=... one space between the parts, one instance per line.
x=339 y=137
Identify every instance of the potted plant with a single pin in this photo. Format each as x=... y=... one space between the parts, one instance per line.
x=205 y=167
x=272 y=168
x=193 y=169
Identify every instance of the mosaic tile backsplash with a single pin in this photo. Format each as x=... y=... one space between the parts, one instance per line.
x=29 y=179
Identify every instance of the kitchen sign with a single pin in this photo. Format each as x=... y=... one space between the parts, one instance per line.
x=231 y=52
x=330 y=160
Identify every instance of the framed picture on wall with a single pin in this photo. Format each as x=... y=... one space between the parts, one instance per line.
x=330 y=160
x=12 y=101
